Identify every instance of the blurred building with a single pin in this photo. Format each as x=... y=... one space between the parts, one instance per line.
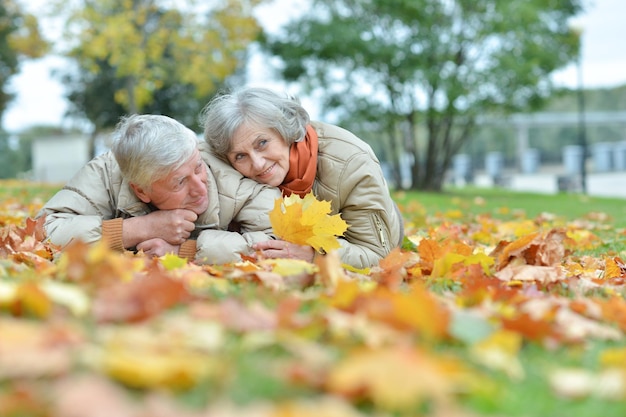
x=56 y=158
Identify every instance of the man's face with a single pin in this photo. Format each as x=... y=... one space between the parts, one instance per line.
x=184 y=188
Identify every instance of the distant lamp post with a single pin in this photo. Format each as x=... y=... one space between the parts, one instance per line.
x=582 y=128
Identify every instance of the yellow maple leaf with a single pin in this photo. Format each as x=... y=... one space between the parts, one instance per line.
x=288 y=267
x=306 y=221
x=171 y=261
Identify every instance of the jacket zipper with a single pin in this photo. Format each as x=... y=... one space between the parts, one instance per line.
x=381 y=232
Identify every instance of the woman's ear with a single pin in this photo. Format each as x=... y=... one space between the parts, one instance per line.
x=140 y=193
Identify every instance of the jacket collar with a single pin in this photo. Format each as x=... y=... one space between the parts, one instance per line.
x=129 y=203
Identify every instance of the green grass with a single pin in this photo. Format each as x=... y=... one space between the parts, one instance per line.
x=482 y=200
x=26 y=191
x=471 y=201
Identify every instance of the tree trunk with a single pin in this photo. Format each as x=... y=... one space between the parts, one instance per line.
x=92 y=144
x=396 y=170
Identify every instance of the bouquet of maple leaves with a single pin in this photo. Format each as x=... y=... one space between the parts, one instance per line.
x=307 y=221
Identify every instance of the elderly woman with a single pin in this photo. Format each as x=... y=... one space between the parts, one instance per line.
x=160 y=191
x=270 y=138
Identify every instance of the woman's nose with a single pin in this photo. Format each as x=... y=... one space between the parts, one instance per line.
x=257 y=161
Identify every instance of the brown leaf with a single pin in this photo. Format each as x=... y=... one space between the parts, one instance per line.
x=33 y=349
x=392 y=268
x=143 y=297
x=394 y=378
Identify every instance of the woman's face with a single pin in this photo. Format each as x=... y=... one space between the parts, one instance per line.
x=260 y=154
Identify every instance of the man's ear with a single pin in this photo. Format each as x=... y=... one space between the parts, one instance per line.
x=140 y=193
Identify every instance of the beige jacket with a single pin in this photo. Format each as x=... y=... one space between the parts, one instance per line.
x=350 y=176
x=94 y=202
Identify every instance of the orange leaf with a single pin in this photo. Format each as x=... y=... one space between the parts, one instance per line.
x=141 y=298
x=393 y=267
x=422 y=311
x=515 y=248
x=395 y=379
x=32 y=300
x=612 y=269
x=429 y=250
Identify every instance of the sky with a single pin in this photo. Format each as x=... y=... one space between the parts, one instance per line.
x=40 y=99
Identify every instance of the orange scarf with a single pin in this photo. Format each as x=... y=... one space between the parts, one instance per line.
x=302 y=165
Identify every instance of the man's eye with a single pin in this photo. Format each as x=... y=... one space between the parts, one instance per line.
x=262 y=143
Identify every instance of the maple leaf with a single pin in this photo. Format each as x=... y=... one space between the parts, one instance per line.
x=533 y=249
x=171 y=261
x=395 y=378
x=32 y=348
x=613 y=268
x=306 y=221
x=421 y=310
x=141 y=298
x=330 y=271
x=295 y=272
x=149 y=357
x=500 y=351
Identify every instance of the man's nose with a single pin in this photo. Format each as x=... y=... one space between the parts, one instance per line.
x=199 y=183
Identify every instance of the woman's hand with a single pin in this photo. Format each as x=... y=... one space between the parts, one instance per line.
x=283 y=249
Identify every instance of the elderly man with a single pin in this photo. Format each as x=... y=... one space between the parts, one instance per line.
x=159 y=191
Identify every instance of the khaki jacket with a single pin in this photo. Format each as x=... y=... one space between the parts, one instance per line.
x=349 y=175
x=98 y=193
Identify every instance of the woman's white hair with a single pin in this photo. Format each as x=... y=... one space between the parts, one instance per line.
x=252 y=106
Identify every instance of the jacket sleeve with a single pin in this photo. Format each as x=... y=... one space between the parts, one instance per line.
x=224 y=247
x=78 y=210
x=364 y=202
x=250 y=215
x=244 y=207
x=253 y=206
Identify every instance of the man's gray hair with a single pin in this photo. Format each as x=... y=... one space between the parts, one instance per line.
x=149 y=147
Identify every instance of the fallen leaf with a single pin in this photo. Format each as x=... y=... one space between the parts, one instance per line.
x=307 y=221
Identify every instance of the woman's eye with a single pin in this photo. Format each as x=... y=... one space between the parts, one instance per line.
x=262 y=143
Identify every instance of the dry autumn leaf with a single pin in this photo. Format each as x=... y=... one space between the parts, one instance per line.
x=395 y=378
x=469 y=311
x=307 y=221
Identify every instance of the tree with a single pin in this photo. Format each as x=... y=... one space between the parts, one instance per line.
x=427 y=68
x=19 y=37
x=139 y=56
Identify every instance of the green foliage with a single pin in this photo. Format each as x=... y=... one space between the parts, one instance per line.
x=8 y=167
x=152 y=57
x=19 y=37
x=421 y=71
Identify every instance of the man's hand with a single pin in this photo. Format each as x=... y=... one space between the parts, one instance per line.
x=157 y=247
x=172 y=226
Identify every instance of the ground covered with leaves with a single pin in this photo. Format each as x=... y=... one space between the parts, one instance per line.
x=475 y=315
